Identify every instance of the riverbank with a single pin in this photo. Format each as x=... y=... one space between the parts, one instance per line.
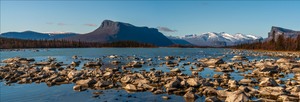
x=229 y=75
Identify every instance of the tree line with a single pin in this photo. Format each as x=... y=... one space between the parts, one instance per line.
x=280 y=44
x=9 y=43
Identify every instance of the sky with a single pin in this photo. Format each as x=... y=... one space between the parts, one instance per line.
x=173 y=17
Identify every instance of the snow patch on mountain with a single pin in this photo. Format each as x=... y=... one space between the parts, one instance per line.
x=220 y=39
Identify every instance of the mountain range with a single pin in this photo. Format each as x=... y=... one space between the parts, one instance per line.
x=220 y=39
x=36 y=35
x=112 y=31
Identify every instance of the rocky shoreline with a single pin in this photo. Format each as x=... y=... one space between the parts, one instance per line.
x=263 y=83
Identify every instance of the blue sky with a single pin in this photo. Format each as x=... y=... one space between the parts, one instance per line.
x=182 y=17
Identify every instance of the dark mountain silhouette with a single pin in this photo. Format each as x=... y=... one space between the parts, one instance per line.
x=177 y=40
x=31 y=35
x=111 y=31
x=287 y=33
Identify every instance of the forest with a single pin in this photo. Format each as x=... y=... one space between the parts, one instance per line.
x=9 y=43
x=279 y=44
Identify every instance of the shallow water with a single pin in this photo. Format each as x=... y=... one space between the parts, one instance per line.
x=64 y=93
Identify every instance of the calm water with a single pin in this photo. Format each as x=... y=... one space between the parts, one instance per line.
x=41 y=92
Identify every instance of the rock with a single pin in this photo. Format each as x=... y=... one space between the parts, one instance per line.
x=174 y=83
x=48 y=68
x=75 y=57
x=158 y=92
x=171 y=64
x=195 y=73
x=267 y=82
x=75 y=63
x=193 y=82
x=127 y=79
x=239 y=58
x=107 y=74
x=42 y=63
x=175 y=70
x=212 y=99
x=86 y=82
x=169 y=57
x=237 y=96
x=112 y=56
x=232 y=84
x=272 y=91
x=208 y=91
x=130 y=87
x=285 y=60
x=222 y=93
x=77 y=87
x=135 y=64
x=115 y=62
x=92 y=64
x=102 y=84
x=288 y=98
x=72 y=74
x=165 y=97
x=211 y=61
x=216 y=76
x=17 y=59
x=246 y=81
x=190 y=95
x=141 y=81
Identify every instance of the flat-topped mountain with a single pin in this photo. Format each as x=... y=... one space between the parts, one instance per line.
x=111 y=31
x=287 y=33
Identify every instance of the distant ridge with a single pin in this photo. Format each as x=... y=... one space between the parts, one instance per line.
x=31 y=35
x=111 y=31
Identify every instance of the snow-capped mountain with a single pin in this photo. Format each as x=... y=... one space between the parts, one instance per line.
x=220 y=39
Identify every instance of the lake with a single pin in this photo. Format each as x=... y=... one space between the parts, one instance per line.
x=64 y=93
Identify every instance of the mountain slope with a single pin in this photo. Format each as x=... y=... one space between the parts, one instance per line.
x=36 y=35
x=111 y=31
x=178 y=40
x=287 y=33
x=220 y=39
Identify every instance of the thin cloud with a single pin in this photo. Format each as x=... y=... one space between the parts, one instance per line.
x=166 y=29
x=49 y=23
x=61 y=24
x=90 y=25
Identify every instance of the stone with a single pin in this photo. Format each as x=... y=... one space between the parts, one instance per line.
x=86 y=82
x=72 y=74
x=165 y=97
x=212 y=61
x=102 y=84
x=127 y=79
x=169 y=57
x=239 y=58
x=267 y=82
x=130 y=87
x=175 y=70
x=174 y=83
x=193 y=82
x=272 y=91
x=237 y=96
x=285 y=60
x=232 y=84
x=77 y=87
x=190 y=95
x=107 y=74
x=212 y=99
